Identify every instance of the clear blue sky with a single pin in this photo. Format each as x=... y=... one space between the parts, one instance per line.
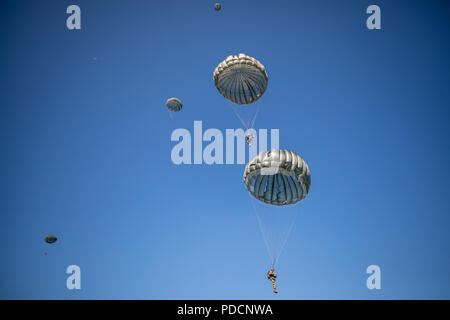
x=85 y=149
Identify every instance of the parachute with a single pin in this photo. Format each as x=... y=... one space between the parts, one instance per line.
x=50 y=239
x=174 y=105
x=217 y=6
x=241 y=79
x=278 y=177
x=276 y=180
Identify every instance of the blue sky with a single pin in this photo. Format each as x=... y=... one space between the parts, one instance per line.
x=85 y=149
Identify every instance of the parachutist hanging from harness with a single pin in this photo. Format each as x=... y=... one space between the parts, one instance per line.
x=242 y=80
x=280 y=178
x=271 y=275
x=249 y=139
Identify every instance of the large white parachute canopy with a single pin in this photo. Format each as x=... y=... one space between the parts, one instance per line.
x=277 y=177
x=241 y=79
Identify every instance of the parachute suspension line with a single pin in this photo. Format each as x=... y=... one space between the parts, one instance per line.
x=261 y=228
x=237 y=114
x=251 y=122
x=256 y=114
x=232 y=104
x=285 y=239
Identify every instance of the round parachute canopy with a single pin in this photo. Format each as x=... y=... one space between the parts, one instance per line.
x=277 y=177
x=50 y=239
x=174 y=104
x=241 y=79
x=217 y=6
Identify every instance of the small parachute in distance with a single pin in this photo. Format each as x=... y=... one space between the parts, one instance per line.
x=217 y=6
x=50 y=239
x=174 y=104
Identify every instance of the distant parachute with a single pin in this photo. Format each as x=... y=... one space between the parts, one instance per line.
x=174 y=104
x=50 y=239
x=277 y=177
x=217 y=6
x=241 y=79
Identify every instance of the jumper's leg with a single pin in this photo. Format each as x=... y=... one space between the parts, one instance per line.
x=274 y=284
